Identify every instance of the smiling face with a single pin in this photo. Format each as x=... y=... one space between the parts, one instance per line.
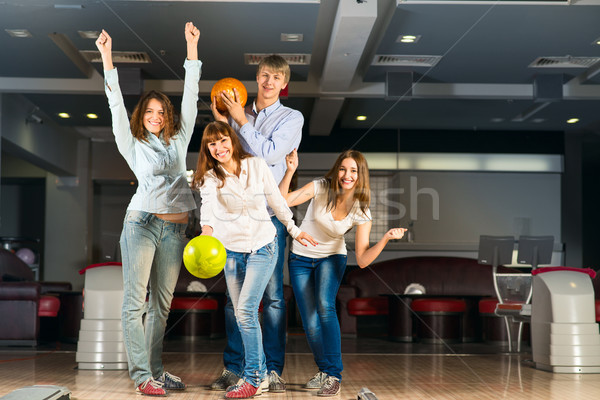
x=348 y=174
x=270 y=83
x=221 y=149
x=154 y=117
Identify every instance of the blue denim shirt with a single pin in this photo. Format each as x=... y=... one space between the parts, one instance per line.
x=159 y=169
x=271 y=134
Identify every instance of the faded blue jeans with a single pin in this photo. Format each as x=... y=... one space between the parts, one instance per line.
x=247 y=275
x=152 y=251
x=316 y=282
x=273 y=318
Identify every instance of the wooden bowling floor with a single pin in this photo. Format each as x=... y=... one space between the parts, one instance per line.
x=390 y=370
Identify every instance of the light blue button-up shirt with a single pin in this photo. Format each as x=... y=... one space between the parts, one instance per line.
x=159 y=169
x=271 y=134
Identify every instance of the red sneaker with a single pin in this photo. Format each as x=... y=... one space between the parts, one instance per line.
x=150 y=387
x=242 y=390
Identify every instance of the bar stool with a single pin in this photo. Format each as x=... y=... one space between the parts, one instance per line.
x=191 y=317
x=439 y=319
x=493 y=328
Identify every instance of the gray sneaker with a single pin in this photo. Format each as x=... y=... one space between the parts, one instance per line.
x=276 y=384
x=226 y=379
x=316 y=381
x=331 y=387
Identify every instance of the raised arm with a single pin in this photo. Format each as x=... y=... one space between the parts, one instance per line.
x=365 y=255
x=120 y=120
x=192 y=34
x=301 y=195
x=189 y=100
x=104 y=45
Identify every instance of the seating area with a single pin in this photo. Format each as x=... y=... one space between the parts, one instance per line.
x=458 y=302
x=28 y=304
x=454 y=286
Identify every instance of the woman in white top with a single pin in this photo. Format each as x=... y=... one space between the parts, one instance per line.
x=155 y=148
x=339 y=201
x=234 y=186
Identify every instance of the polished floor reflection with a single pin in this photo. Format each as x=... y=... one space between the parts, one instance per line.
x=390 y=370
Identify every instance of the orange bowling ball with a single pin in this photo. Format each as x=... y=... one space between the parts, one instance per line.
x=227 y=85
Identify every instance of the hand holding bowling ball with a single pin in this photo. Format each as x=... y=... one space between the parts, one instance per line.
x=204 y=256
x=227 y=85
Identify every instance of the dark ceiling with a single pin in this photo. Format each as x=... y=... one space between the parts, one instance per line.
x=480 y=77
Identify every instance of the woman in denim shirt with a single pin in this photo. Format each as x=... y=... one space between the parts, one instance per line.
x=153 y=236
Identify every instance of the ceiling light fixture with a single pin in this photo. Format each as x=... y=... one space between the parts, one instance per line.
x=89 y=34
x=68 y=6
x=19 y=33
x=572 y=120
x=92 y=116
x=292 y=37
x=361 y=117
x=408 y=38
x=64 y=115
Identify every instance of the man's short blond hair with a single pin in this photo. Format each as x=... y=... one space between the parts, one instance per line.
x=277 y=64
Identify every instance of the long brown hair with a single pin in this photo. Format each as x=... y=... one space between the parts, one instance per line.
x=137 y=118
x=213 y=132
x=362 y=188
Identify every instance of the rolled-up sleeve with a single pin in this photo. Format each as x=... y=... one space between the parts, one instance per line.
x=283 y=139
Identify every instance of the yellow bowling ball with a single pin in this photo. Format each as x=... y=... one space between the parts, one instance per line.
x=204 y=256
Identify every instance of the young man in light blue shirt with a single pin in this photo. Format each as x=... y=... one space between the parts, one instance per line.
x=269 y=130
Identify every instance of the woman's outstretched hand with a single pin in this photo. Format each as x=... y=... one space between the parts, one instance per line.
x=303 y=236
x=395 y=233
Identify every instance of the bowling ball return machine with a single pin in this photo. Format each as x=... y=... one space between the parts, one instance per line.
x=565 y=337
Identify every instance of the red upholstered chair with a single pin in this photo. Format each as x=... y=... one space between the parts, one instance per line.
x=439 y=320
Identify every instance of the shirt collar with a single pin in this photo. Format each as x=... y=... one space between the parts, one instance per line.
x=267 y=110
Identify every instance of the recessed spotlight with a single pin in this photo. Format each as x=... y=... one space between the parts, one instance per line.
x=572 y=120
x=538 y=120
x=89 y=34
x=408 y=38
x=497 y=120
x=64 y=115
x=596 y=42
x=361 y=117
x=92 y=116
x=19 y=33
x=292 y=37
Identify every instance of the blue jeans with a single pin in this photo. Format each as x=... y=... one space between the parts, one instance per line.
x=247 y=275
x=316 y=282
x=273 y=321
x=152 y=250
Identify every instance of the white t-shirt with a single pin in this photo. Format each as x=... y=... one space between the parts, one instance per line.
x=328 y=233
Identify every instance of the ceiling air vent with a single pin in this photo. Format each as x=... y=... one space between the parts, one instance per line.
x=564 y=62
x=292 y=59
x=132 y=57
x=385 y=60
